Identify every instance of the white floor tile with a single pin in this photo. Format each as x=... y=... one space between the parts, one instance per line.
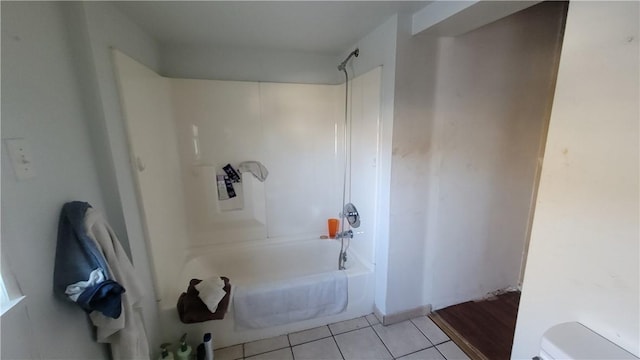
x=309 y=335
x=348 y=325
x=372 y=319
x=282 y=354
x=324 y=349
x=362 y=344
x=402 y=338
x=430 y=330
x=428 y=354
x=228 y=353
x=262 y=346
x=451 y=351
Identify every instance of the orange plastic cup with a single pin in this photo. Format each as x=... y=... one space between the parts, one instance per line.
x=332 y=224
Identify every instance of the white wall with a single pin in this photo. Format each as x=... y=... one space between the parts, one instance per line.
x=492 y=106
x=404 y=255
x=502 y=75
x=243 y=64
x=41 y=101
x=95 y=27
x=413 y=117
x=584 y=256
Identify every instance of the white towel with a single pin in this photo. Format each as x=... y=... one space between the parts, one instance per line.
x=126 y=334
x=289 y=301
x=211 y=292
x=256 y=168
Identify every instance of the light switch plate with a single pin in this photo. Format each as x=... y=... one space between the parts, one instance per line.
x=21 y=159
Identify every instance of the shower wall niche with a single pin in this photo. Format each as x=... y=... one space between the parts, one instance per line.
x=183 y=131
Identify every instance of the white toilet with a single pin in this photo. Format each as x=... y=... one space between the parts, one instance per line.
x=575 y=341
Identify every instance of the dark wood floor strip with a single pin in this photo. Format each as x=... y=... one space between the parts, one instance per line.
x=463 y=344
x=487 y=326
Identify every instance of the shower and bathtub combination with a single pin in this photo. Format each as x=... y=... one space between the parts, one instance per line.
x=319 y=143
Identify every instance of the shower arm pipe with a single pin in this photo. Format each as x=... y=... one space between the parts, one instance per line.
x=342 y=65
x=342 y=258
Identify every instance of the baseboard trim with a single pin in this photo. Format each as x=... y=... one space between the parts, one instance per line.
x=378 y=313
x=401 y=316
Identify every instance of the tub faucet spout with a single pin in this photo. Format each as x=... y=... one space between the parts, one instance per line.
x=345 y=235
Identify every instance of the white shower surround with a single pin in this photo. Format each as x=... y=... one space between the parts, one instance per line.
x=296 y=131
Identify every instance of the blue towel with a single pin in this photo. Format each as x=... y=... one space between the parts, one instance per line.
x=81 y=273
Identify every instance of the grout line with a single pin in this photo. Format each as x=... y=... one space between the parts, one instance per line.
x=439 y=328
x=268 y=351
x=374 y=315
x=438 y=350
x=290 y=348
x=417 y=351
x=423 y=334
x=331 y=331
x=344 y=332
x=310 y=341
x=382 y=341
x=306 y=342
x=338 y=346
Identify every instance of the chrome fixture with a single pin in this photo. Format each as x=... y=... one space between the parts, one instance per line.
x=349 y=212
x=345 y=235
x=342 y=65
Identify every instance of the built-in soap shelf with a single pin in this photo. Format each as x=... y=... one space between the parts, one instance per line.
x=247 y=206
x=227 y=201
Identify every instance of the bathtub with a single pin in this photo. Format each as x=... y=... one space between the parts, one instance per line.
x=266 y=262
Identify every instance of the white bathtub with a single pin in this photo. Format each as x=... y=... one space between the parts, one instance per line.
x=263 y=262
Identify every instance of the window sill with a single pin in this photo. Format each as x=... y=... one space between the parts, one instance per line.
x=10 y=304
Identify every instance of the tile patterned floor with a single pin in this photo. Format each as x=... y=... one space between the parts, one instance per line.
x=356 y=339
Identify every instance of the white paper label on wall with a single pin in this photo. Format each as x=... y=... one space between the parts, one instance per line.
x=21 y=159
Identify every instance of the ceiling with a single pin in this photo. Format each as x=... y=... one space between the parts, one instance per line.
x=328 y=27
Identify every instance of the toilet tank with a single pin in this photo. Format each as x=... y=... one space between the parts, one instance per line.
x=575 y=341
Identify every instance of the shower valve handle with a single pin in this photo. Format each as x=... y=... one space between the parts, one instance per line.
x=345 y=234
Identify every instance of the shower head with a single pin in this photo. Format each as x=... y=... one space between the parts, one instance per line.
x=343 y=64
